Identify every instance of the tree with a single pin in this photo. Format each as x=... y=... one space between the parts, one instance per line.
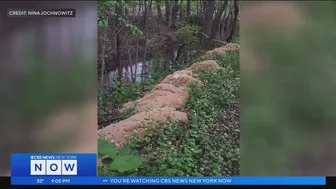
x=197 y=12
x=188 y=12
x=159 y=11
x=102 y=58
x=181 y=10
x=174 y=13
x=118 y=41
x=150 y=8
x=234 y=22
x=144 y=68
x=209 y=9
x=167 y=11
x=215 y=23
x=103 y=7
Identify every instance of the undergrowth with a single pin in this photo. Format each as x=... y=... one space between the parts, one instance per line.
x=208 y=144
x=110 y=101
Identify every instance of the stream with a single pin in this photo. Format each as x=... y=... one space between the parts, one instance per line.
x=137 y=69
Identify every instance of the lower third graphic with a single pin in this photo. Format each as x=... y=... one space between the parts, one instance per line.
x=53 y=164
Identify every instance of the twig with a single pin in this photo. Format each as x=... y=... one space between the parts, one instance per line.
x=178 y=142
x=222 y=42
x=119 y=31
x=116 y=28
x=203 y=34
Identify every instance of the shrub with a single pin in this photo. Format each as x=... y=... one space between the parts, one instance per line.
x=117 y=161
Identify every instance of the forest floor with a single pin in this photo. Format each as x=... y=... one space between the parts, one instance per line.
x=206 y=141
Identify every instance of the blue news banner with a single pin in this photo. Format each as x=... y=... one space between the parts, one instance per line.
x=81 y=169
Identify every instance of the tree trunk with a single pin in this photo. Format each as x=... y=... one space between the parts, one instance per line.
x=140 y=7
x=181 y=10
x=197 y=12
x=150 y=8
x=209 y=9
x=126 y=12
x=221 y=30
x=174 y=13
x=136 y=61
x=120 y=67
x=139 y=13
x=165 y=64
x=188 y=12
x=144 y=64
x=171 y=6
x=130 y=62
x=145 y=13
x=167 y=11
x=234 y=22
x=178 y=54
x=159 y=12
x=102 y=74
x=226 y=24
x=137 y=50
x=215 y=24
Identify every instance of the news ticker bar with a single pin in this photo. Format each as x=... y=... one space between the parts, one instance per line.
x=81 y=169
x=75 y=180
x=24 y=13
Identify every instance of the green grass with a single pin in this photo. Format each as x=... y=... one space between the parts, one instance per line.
x=208 y=144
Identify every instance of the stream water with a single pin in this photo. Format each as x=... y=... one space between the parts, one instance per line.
x=137 y=69
x=127 y=74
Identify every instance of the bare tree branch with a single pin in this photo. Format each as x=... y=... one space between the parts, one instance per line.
x=218 y=41
x=119 y=31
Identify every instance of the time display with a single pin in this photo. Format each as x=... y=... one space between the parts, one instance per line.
x=60 y=181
